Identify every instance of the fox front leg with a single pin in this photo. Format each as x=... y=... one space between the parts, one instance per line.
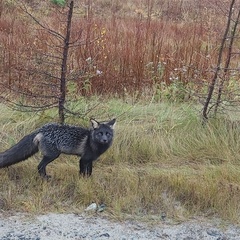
x=85 y=168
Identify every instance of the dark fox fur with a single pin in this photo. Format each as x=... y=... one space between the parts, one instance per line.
x=53 y=139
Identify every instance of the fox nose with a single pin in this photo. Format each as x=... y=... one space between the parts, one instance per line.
x=104 y=139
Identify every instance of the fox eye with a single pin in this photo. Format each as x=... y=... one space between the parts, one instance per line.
x=100 y=133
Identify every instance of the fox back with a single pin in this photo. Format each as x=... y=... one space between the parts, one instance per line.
x=54 y=138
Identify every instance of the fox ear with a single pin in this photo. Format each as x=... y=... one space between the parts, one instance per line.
x=95 y=124
x=112 y=123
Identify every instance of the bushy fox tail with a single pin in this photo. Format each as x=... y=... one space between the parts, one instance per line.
x=24 y=149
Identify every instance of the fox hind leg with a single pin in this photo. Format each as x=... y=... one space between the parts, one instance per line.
x=42 y=165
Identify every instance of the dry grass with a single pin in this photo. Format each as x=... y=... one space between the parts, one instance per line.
x=162 y=162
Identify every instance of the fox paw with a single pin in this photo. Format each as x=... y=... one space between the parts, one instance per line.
x=46 y=177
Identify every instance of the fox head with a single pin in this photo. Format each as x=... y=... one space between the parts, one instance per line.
x=103 y=132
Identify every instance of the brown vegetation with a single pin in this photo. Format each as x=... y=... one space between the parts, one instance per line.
x=118 y=47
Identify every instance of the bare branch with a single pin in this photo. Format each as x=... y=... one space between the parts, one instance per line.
x=54 y=33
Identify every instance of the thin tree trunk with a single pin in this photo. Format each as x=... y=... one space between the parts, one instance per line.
x=227 y=63
x=220 y=55
x=64 y=67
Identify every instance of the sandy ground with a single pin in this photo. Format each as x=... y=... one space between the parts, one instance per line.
x=85 y=226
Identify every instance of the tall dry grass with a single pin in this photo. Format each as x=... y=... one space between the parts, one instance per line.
x=163 y=163
x=121 y=47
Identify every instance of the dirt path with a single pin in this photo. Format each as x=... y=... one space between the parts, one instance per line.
x=83 y=226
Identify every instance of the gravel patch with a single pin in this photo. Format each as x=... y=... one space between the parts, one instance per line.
x=83 y=226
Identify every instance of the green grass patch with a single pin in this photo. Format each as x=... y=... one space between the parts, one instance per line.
x=162 y=162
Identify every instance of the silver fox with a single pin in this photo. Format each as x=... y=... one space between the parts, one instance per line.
x=53 y=139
